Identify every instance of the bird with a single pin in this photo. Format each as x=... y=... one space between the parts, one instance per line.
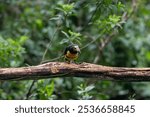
x=71 y=53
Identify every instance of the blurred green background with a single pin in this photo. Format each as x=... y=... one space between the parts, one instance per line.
x=109 y=32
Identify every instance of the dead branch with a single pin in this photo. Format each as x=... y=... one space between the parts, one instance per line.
x=84 y=70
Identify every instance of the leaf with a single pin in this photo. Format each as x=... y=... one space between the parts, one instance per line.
x=66 y=8
x=74 y=34
x=148 y=56
x=89 y=88
x=65 y=34
x=39 y=23
x=23 y=39
x=50 y=88
x=64 y=41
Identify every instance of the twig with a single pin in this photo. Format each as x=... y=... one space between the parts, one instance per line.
x=29 y=91
x=97 y=6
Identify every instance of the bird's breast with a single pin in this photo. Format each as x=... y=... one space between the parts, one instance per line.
x=71 y=56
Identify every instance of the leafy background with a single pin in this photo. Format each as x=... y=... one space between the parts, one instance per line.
x=109 y=32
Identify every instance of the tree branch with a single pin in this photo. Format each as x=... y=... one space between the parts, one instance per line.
x=85 y=70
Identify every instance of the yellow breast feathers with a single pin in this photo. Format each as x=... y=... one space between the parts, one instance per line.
x=71 y=56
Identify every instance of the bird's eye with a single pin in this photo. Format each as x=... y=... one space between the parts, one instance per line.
x=74 y=48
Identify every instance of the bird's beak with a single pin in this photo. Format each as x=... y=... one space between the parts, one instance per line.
x=78 y=50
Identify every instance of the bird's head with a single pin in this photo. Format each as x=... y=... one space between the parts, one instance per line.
x=75 y=48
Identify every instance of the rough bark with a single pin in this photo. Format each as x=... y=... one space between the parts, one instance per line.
x=84 y=70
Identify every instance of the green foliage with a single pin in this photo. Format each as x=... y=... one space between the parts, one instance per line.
x=11 y=51
x=84 y=91
x=66 y=8
x=72 y=37
x=45 y=89
x=32 y=31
